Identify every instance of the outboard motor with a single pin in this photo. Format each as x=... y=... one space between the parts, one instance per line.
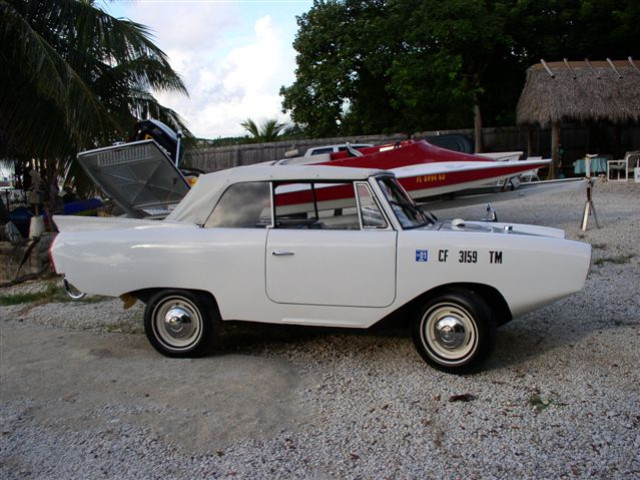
x=162 y=134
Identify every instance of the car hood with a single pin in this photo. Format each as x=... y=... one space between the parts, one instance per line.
x=460 y=225
x=138 y=176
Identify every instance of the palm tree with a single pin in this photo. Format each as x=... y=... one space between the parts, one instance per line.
x=251 y=127
x=268 y=131
x=74 y=77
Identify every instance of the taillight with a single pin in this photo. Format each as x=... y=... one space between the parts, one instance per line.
x=53 y=265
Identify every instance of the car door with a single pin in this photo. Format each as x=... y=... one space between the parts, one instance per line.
x=231 y=249
x=322 y=250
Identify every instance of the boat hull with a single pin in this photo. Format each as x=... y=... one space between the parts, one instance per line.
x=428 y=180
x=425 y=170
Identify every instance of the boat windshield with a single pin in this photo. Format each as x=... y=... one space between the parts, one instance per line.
x=407 y=212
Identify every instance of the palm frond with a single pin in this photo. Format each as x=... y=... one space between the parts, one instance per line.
x=142 y=72
x=72 y=76
x=271 y=129
x=44 y=74
x=251 y=127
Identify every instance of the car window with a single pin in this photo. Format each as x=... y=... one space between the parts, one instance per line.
x=370 y=212
x=406 y=211
x=316 y=205
x=356 y=146
x=320 y=151
x=243 y=205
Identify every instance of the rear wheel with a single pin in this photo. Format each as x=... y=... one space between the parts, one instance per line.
x=180 y=323
x=455 y=331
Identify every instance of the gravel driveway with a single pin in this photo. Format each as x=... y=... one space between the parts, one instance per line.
x=83 y=395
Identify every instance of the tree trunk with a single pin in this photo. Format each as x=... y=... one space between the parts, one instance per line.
x=477 y=126
x=555 y=145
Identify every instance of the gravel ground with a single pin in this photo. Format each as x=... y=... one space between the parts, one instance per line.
x=84 y=396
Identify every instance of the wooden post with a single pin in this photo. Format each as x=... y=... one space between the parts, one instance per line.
x=555 y=144
x=238 y=160
x=477 y=125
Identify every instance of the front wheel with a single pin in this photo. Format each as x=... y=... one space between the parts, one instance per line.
x=455 y=331
x=180 y=323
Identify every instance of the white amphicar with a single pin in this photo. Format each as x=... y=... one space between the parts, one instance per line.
x=267 y=244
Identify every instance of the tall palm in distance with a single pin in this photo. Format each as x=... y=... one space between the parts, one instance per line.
x=73 y=77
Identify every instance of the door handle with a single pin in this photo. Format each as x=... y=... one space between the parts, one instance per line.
x=281 y=253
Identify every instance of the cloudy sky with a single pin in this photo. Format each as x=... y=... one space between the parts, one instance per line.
x=232 y=55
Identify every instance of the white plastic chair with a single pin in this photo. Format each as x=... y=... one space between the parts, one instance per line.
x=625 y=164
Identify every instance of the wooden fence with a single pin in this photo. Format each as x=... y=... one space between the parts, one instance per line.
x=575 y=141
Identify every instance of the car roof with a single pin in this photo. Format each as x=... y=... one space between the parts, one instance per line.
x=270 y=172
x=196 y=206
x=334 y=148
x=339 y=145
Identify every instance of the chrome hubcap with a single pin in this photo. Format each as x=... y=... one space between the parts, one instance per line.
x=177 y=323
x=449 y=333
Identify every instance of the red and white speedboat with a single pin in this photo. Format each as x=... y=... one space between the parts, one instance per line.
x=425 y=170
x=141 y=178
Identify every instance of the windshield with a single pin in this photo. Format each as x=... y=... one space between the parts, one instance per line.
x=408 y=214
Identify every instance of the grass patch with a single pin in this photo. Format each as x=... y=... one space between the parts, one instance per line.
x=617 y=260
x=539 y=404
x=20 y=298
x=52 y=293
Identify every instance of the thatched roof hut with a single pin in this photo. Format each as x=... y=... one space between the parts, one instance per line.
x=558 y=92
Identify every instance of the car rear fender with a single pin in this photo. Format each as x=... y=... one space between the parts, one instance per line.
x=146 y=293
